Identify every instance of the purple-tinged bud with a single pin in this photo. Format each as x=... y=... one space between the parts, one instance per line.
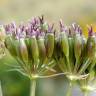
x=80 y=31
x=64 y=40
x=33 y=21
x=64 y=43
x=28 y=32
x=71 y=31
x=8 y=29
x=34 y=33
x=19 y=34
x=50 y=28
x=75 y=26
x=41 y=19
x=91 y=43
x=23 y=50
x=22 y=27
x=90 y=30
x=49 y=44
x=77 y=46
x=65 y=46
x=34 y=48
x=77 y=49
x=62 y=28
x=13 y=25
x=42 y=49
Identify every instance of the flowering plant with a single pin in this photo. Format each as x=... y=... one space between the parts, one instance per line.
x=38 y=47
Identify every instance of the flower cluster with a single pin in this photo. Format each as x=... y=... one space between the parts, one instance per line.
x=73 y=52
x=32 y=45
x=38 y=47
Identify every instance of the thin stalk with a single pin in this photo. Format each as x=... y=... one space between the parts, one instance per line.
x=75 y=67
x=0 y=90
x=68 y=64
x=54 y=75
x=69 y=92
x=33 y=87
x=85 y=93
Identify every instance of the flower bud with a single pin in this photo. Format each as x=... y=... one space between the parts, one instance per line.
x=71 y=51
x=91 y=45
x=64 y=43
x=57 y=54
x=23 y=51
x=42 y=49
x=77 y=46
x=34 y=48
x=28 y=44
x=10 y=45
x=84 y=41
x=49 y=44
x=45 y=26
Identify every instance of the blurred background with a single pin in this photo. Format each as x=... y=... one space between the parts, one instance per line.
x=80 y=11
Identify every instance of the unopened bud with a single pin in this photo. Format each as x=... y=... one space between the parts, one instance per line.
x=71 y=50
x=23 y=51
x=77 y=46
x=42 y=49
x=34 y=48
x=91 y=45
x=10 y=45
x=64 y=43
x=28 y=44
x=49 y=44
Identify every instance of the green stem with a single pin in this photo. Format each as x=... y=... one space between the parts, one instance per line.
x=33 y=87
x=69 y=92
x=85 y=93
x=0 y=90
x=68 y=64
